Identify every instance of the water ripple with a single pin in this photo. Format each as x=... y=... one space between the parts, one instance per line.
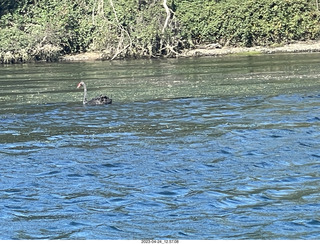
x=226 y=167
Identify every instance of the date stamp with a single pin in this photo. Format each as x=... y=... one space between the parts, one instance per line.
x=159 y=241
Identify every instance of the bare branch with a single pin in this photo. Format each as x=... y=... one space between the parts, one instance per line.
x=114 y=11
x=168 y=11
x=122 y=31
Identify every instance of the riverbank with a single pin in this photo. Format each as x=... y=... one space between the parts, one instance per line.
x=217 y=50
x=212 y=50
x=32 y=31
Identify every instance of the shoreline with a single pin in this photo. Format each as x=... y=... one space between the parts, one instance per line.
x=215 y=50
x=297 y=47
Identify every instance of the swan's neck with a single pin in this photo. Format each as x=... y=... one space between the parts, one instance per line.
x=84 y=94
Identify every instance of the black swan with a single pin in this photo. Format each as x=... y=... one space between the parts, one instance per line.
x=95 y=101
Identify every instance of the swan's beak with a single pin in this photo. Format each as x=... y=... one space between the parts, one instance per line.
x=79 y=85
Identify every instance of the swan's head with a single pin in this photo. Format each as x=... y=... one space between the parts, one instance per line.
x=80 y=84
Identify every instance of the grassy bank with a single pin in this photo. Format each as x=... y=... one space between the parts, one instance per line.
x=32 y=30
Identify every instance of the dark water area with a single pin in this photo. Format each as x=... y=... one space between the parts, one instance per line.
x=207 y=148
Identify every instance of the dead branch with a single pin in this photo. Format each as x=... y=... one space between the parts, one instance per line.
x=122 y=31
x=168 y=11
x=114 y=11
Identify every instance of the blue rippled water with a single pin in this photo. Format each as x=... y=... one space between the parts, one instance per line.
x=225 y=167
x=186 y=168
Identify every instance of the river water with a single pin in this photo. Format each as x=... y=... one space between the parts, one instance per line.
x=204 y=148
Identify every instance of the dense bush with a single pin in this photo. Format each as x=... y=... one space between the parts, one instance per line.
x=46 y=29
x=249 y=22
x=43 y=30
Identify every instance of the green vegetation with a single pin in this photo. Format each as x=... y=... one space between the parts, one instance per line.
x=46 y=29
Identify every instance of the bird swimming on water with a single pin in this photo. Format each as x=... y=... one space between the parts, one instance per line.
x=95 y=101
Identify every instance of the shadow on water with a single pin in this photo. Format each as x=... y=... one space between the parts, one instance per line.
x=222 y=148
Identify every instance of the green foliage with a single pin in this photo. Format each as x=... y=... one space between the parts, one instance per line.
x=195 y=17
x=43 y=30
x=249 y=22
x=46 y=29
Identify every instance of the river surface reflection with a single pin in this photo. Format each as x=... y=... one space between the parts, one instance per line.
x=207 y=148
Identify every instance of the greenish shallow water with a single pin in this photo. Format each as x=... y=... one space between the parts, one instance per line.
x=207 y=148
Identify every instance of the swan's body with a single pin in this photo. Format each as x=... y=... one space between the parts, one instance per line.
x=95 y=101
